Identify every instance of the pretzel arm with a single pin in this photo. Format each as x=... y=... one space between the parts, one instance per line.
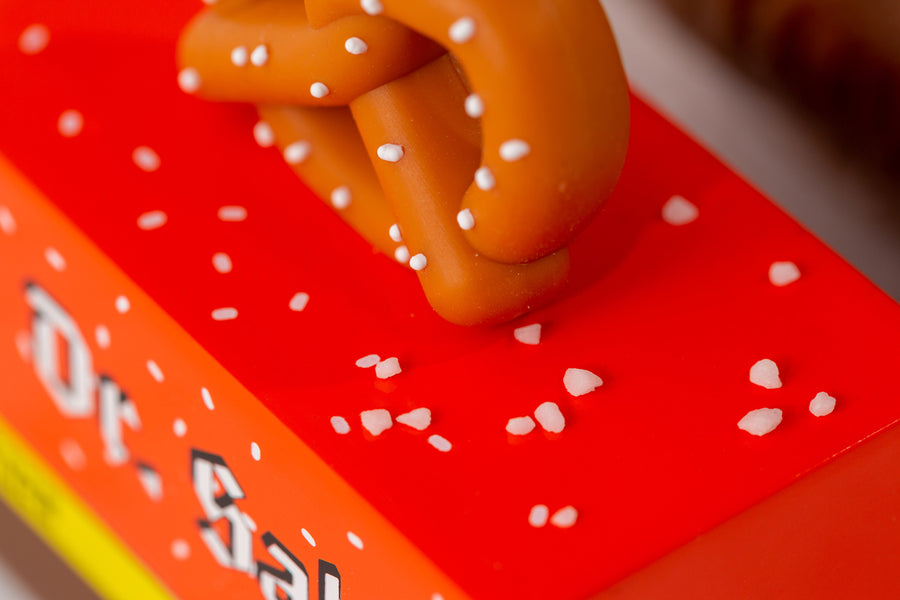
x=222 y=43
x=424 y=186
x=336 y=167
x=555 y=117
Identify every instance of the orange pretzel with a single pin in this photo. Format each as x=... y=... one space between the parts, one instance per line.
x=477 y=166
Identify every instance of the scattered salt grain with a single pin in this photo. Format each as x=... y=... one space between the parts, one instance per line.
x=564 y=517
x=528 y=334
x=761 y=421
x=34 y=39
x=222 y=262
x=240 y=56
x=579 y=382
x=783 y=273
x=465 y=219
x=207 y=398
x=299 y=301
x=123 y=304
x=55 y=259
x=822 y=404
x=72 y=454
x=550 y=417
x=181 y=550
x=179 y=427
x=263 y=134
x=70 y=123
x=319 y=90
x=419 y=419
x=440 y=443
x=340 y=425
x=474 y=106
x=7 y=222
x=146 y=159
x=401 y=254
x=418 y=262
x=371 y=7
x=513 y=150
x=260 y=56
x=102 y=336
x=297 y=152
x=340 y=197
x=387 y=368
x=155 y=371
x=520 y=425
x=538 y=515
x=395 y=233
x=765 y=374
x=354 y=45
x=226 y=313
x=376 y=421
x=189 y=80
x=462 y=30
x=355 y=540
x=153 y=219
x=255 y=452
x=390 y=152
x=679 y=211
x=484 y=179
x=369 y=360
x=232 y=214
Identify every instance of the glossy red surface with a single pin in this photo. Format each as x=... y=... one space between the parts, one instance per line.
x=670 y=317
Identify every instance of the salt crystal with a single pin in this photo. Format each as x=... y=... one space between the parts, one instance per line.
x=761 y=421
x=355 y=540
x=181 y=550
x=387 y=368
x=123 y=304
x=226 y=313
x=232 y=213
x=222 y=262
x=153 y=219
x=564 y=517
x=70 y=123
x=550 y=417
x=441 y=443
x=299 y=301
x=822 y=404
x=340 y=425
x=207 y=398
x=55 y=259
x=529 y=334
x=783 y=273
x=679 y=211
x=376 y=421
x=539 y=515
x=179 y=427
x=7 y=222
x=264 y=134
x=34 y=39
x=369 y=360
x=579 y=382
x=146 y=159
x=255 y=451
x=419 y=418
x=520 y=425
x=765 y=374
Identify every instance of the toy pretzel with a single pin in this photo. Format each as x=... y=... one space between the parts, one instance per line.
x=470 y=139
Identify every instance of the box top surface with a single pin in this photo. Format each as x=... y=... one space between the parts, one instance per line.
x=671 y=318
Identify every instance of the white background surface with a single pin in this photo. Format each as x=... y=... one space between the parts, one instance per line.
x=756 y=131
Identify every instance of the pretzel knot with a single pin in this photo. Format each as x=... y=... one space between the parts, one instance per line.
x=470 y=139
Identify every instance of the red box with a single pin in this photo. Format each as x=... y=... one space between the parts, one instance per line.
x=168 y=448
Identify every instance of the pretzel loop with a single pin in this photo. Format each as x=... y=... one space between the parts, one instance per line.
x=481 y=207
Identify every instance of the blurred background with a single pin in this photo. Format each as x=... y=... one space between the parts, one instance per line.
x=800 y=96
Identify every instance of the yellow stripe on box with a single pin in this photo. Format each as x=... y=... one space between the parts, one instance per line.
x=54 y=512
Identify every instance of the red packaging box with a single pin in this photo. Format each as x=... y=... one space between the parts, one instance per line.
x=182 y=408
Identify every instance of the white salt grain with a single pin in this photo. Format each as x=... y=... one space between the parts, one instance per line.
x=376 y=421
x=297 y=152
x=520 y=425
x=528 y=334
x=151 y=220
x=550 y=417
x=564 y=517
x=474 y=106
x=579 y=382
x=70 y=123
x=340 y=425
x=679 y=211
x=102 y=336
x=765 y=374
x=401 y=254
x=515 y=149
x=7 y=222
x=263 y=134
x=355 y=45
x=538 y=515
x=387 y=368
x=465 y=219
x=55 y=259
x=369 y=360
x=189 y=80
x=371 y=7
x=462 y=30
x=783 y=273
x=123 y=304
x=299 y=301
x=822 y=404
x=260 y=56
x=419 y=419
x=146 y=159
x=181 y=550
x=390 y=152
x=761 y=421
x=179 y=427
x=207 y=399
x=440 y=443
x=232 y=214
x=226 y=313
x=355 y=540
x=34 y=39
x=222 y=262
x=255 y=451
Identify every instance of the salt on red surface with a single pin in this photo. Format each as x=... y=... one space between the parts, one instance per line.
x=679 y=211
x=520 y=425
x=419 y=418
x=761 y=421
x=340 y=425
x=153 y=219
x=822 y=404
x=538 y=515
x=70 y=123
x=579 y=382
x=550 y=417
x=376 y=421
x=528 y=334
x=565 y=517
x=782 y=273
x=764 y=373
x=387 y=368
